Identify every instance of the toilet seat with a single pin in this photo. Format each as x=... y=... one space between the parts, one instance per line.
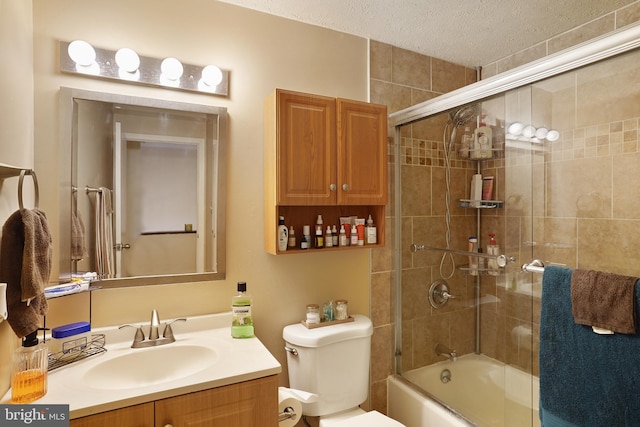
x=369 y=419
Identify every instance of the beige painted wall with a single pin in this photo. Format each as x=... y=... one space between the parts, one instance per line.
x=16 y=127
x=262 y=52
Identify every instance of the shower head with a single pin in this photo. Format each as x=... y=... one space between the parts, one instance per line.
x=463 y=115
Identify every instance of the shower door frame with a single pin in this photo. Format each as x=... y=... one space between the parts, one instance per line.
x=607 y=46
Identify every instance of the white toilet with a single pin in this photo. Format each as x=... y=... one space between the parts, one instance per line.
x=333 y=362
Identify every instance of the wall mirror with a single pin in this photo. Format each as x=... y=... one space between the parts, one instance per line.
x=142 y=189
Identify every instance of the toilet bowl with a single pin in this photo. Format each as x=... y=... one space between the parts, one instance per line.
x=333 y=362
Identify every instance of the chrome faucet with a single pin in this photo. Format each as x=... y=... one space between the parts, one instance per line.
x=442 y=350
x=139 y=340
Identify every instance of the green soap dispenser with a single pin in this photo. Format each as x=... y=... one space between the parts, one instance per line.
x=242 y=321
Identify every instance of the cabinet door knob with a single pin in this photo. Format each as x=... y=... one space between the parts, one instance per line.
x=332 y=187
x=345 y=187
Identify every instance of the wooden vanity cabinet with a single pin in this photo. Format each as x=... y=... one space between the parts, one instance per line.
x=323 y=156
x=252 y=403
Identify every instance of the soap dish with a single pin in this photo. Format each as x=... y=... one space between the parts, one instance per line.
x=95 y=346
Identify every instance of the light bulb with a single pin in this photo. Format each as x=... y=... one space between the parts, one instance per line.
x=82 y=53
x=128 y=60
x=211 y=75
x=171 y=69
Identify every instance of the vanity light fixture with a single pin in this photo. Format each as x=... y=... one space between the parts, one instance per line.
x=79 y=57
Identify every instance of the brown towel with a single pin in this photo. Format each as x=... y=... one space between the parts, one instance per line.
x=78 y=245
x=604 y=300
x=25 y=265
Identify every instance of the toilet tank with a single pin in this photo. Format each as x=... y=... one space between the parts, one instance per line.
x=332 y=362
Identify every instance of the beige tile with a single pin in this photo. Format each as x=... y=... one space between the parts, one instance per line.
x=628 y=15
x=579 y=188
x=626 y=172
x=608 y=91
x=382 y=343
x=447 y=76
x=381 y=60
x=583 y=33
x=379 y=396
x=609 y=245
x=416 y=190
x=380 y=298
x=523 y=57
x=411 y=69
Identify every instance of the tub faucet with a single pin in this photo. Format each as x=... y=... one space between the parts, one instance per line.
x=442 y=350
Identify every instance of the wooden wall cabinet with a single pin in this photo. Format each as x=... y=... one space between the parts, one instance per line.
x=251 y=403
x=323 y=156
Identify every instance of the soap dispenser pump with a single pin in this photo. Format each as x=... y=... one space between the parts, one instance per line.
x=29 y=370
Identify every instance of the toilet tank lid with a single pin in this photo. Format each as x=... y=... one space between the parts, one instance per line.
x=299 y=334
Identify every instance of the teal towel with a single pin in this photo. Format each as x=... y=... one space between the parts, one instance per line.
x=586 y=379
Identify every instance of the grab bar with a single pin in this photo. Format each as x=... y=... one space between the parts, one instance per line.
x=501 y=260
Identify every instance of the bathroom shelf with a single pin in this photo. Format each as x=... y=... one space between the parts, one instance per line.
x=483 y=204
x=60 y=359
x=327 y=323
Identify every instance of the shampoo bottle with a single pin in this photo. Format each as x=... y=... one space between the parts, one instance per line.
x=482 y=141
x=29 y=370
x=283 y=235
x=465 y=143
x=473 y=260
x=242 y=322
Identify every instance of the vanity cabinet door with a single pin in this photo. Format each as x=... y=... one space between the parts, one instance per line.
x=249 y=404
x=132 y=416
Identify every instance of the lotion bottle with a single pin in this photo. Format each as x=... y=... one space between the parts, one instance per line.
x=283 y=235
x=29 y=370
x=482 y=141
x=242 y=320
x=473 y=260
x=371 y=232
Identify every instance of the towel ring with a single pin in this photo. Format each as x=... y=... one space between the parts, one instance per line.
x=31 y=172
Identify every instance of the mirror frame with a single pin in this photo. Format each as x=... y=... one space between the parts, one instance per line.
x=67 y=122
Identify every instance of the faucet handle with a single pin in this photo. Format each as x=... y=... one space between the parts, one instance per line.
x=139 y=333
x=168 y=331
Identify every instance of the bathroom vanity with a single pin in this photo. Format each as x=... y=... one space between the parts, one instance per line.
x=203 y=378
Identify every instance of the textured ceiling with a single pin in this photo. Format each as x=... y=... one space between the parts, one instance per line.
x=467 y=32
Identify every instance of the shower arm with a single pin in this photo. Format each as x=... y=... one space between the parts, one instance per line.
x=501 y=260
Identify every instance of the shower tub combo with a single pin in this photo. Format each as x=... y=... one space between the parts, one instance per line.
x=473 y=390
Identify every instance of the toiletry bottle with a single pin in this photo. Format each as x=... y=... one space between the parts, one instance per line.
x=305 y=241
x=242 y=321
x=29 y=370
x=466 y=143
x=493 y=249
x=319 y=241
x=283 y=235
x=482 y=141
x=371 y=232
x=292 y=238
x=475 y=195
x=334 y=235
x=343 y=236
x=481 y=261
x=354 y=236
x=328 y=238
x=473 y=261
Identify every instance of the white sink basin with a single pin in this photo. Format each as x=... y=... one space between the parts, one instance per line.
x=149 y=366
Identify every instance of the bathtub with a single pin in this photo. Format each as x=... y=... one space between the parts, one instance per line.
x=481 y=392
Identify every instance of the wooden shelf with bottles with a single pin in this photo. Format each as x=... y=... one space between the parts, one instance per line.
x=324 y=156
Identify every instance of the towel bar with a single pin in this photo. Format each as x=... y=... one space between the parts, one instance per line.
x=36 y=191
x=535 y=266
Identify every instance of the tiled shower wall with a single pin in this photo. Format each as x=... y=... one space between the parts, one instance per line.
x=400 y=79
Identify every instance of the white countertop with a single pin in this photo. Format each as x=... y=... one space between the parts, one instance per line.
x=237 y=360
